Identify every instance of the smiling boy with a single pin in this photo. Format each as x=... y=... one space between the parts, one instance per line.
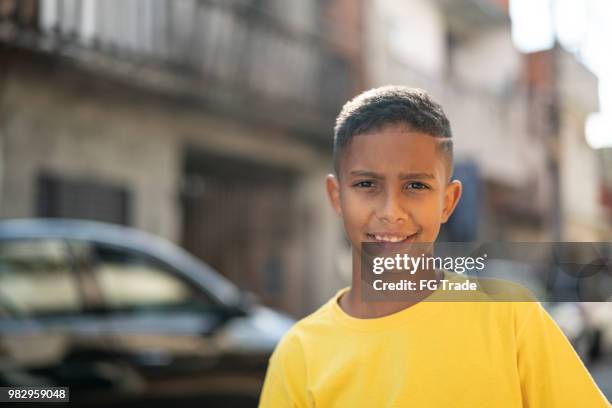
x=392 y=184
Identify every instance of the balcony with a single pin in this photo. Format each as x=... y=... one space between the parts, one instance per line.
x=230 y=56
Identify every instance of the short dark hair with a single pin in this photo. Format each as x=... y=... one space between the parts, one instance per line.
x=392 y=105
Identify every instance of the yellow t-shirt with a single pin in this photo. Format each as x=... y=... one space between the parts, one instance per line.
x=432 y=354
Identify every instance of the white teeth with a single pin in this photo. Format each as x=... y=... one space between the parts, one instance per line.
x=389 y=238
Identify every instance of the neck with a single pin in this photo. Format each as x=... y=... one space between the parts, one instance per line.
x=354 y=304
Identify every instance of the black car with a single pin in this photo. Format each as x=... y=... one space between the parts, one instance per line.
x=126 y=319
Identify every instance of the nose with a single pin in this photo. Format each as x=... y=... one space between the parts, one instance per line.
x=392 y=211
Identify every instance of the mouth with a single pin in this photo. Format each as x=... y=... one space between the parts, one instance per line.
x=386 y=237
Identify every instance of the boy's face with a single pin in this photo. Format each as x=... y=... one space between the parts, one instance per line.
x=393 y=186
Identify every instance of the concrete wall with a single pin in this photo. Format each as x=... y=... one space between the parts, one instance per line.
x=400 y=33
x=56 y=126
x=580 y=166
x=580 y=184
x=79 y=126
x=325 y=243
x=488 y=61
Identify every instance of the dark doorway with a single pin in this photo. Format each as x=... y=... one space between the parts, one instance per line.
x=239 y=217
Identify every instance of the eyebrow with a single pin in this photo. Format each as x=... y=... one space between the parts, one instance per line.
x=402 y=176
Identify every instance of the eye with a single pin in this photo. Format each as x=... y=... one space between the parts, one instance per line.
x=364 y=184
x=417 y=185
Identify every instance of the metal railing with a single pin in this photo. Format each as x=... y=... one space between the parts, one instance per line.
x=228 y=47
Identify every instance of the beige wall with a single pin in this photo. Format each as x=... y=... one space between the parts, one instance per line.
x=54 y=127
x=580 y=183
x=401 y=33
x=77 y=126
x=488 y=61
x=583 y=215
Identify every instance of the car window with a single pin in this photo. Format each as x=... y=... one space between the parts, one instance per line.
x=132 y=281
x=36 y=279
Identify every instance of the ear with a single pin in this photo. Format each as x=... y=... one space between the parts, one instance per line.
x=333 y=192
x=451 y=199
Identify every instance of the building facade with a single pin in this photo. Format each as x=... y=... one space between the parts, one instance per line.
x=207 y=123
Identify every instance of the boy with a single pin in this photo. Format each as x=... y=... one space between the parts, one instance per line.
x=392 y=184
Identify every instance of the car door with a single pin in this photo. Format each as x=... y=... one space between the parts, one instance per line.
x=163 y=327
x=47 y=334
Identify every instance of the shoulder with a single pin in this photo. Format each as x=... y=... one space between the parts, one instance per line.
x=532 y=319
x=306 y=331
